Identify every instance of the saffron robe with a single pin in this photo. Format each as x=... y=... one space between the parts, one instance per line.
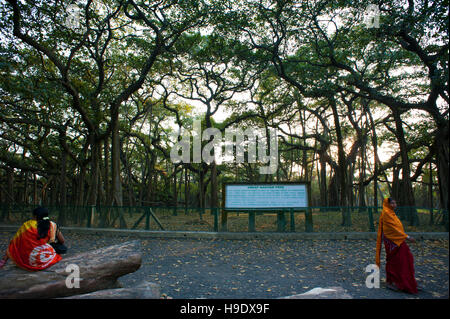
x=399 y=260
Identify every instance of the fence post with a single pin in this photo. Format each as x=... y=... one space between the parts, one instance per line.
x=216 y=219
x=224 y=220
x=251 y=221
x=147 y=219
x=309 y=228
x=292 y=220
x=281 y=222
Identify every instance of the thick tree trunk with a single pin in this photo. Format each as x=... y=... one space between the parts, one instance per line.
x=10 y=189
x=186 y=189
x=95 y=167
x=175 y=192
x=81 y=180
x=201 y=194
x=214 y=188
x=63 y=189
x=323 y=181
x=341 y=172
x=25 y=188
x=117 y=193
x=395 y=182
x=106 y=177
x=117 y=196
x=376 y=160
x=362 y=177
x=442 y=160
x=406 y=196
x=54 y=191
x=333 y=192
x=150 y=173
x=35 y=190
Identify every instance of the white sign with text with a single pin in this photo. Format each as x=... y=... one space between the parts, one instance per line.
x=266 y=196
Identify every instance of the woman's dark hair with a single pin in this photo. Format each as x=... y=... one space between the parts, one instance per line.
x=390 y=199
x=43 y=222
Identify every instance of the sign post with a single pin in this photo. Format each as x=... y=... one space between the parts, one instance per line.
x=282 y=198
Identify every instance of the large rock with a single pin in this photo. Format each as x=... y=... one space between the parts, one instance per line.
x=98 y=269
x=146 y=290
x=322 y=293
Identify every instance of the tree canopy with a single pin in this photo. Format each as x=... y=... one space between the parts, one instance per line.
x=93 y=91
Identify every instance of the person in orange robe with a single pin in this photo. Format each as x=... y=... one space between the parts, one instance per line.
x=400 y=274
x=32 y=247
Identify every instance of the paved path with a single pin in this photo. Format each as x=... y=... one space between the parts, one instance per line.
x=214 y=268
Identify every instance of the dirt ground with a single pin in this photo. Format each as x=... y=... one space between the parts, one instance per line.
x=254 y=269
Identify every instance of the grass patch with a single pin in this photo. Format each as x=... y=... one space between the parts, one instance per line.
x=193 y=219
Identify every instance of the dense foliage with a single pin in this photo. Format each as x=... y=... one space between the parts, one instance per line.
x=92 y=91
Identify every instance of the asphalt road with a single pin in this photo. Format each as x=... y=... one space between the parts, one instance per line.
x=257 y=269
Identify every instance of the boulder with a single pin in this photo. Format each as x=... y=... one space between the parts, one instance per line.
x=98 y=270
x=322 y=293
x=146 y=290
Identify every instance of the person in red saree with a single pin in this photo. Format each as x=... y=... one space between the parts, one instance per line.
x=37 y=244
x=400 y=274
